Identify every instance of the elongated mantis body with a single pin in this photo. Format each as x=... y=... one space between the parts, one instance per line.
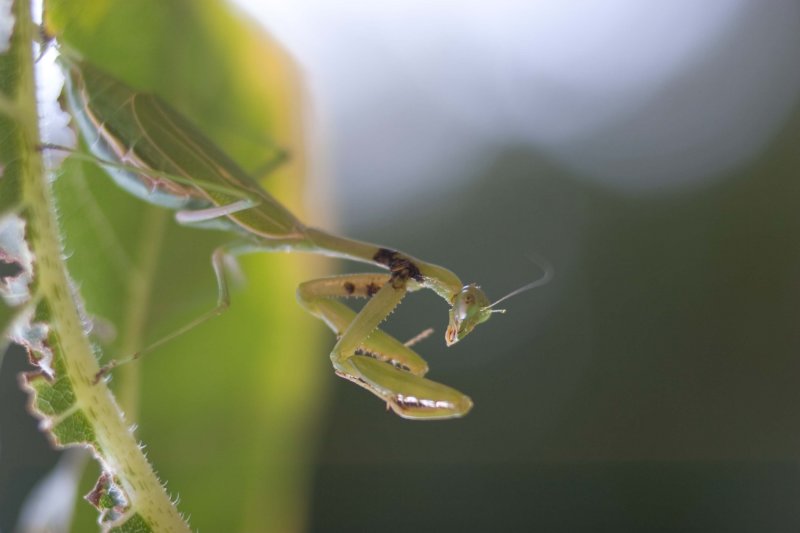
x=156 y=154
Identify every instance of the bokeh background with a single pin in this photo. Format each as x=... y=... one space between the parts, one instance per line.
x=649 y=151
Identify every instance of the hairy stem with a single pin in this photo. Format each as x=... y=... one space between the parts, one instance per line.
x=114 y=444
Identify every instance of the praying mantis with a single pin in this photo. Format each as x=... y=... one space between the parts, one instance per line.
x=157 y=155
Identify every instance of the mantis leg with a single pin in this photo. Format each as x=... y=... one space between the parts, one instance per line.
x=269 y=166
x=219 y=258
x=193 y=216
x=370 y=357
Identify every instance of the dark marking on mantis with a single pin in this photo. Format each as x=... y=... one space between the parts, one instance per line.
x=372 y=288
x=402 y=267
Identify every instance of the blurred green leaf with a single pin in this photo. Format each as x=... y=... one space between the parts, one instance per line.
x=227 y=409
x=10 y=191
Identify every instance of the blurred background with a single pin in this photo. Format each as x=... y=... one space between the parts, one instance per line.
x=649 y=151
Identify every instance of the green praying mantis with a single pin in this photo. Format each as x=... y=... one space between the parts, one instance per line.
x=156 y=154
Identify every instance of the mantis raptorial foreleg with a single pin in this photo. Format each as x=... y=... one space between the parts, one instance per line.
x=316 y=296
x=363 y=350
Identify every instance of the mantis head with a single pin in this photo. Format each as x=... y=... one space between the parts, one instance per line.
x=471 y=307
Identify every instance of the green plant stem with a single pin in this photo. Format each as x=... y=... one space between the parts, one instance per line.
x=117 y=448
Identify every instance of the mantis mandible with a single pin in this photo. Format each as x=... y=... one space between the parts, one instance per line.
x=156 y=154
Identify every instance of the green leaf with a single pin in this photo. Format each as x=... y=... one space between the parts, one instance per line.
x=72 y=407
x=10 y=162
x=134 y=524
x=10 y=175
x=226 y=409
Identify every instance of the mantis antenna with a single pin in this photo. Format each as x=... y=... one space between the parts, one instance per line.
x=547 y=276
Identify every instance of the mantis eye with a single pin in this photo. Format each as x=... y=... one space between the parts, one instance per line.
x=470 y=307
